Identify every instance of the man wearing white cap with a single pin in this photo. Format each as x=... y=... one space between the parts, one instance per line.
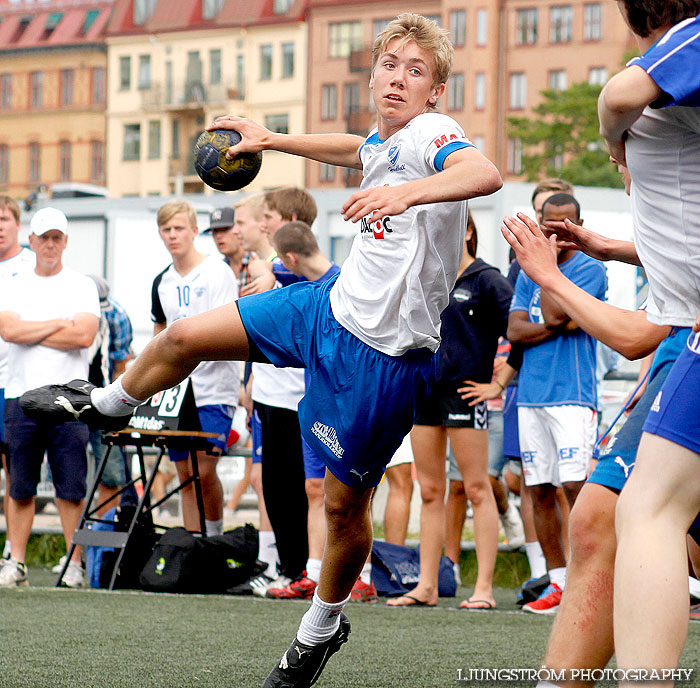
x=49 y=318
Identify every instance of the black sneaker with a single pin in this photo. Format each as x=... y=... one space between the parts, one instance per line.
x=69 y=402
x=301 y=665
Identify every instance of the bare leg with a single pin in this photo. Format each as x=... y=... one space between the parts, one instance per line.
x=455 y=513
x=398 y=503
x=241 y=486
x=471 y=451
x=548 y=524
x=217 y=335
x=500 y=494
x=21 y=512
x=654 y=512
x=256 y=482
x=317 y=517
x=70 y=513
x=105 y=493
x=6 y=497
x=349 y=538
x=212 y=491
x=582 y=634
x=429 y=444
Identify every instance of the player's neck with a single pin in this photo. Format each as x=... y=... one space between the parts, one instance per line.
x=48 y=269
x=467 y=260
x=10 y=253
x=264 y=251
x=188 y=262
x=314 y=267
x=645 y=42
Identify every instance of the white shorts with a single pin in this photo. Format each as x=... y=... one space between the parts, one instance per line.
x=404 y=454
x=556 y=443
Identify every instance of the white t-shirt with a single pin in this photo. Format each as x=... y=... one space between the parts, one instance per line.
x=43 y=298
x=279 y=387
x=23 y=262
x=209 y=285
x=663 y=156
x=397 y=279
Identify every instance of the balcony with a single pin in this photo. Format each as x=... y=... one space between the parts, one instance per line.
x=361 y=121
x=190 y=95
x=360 y=61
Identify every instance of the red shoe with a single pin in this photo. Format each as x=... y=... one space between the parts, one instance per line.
x=300 y=589
x=363 y=592
x=547 y=602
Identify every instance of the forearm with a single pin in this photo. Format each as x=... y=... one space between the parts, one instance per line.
x=523 y=332
x=627 y=332
x=622 y=251
x=69 y=338
x=554 y=315
x=27 y=332
x=334 y=149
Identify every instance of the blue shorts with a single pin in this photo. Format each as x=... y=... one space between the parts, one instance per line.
x=64 y=444
x=314 y=465
x=511 y=438
x=674 y=414
x=256 y=433
x=2 y=415
x=212 y=418
x=361 y=402
x=617 y=459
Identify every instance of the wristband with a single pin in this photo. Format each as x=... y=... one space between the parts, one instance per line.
x=503 y=389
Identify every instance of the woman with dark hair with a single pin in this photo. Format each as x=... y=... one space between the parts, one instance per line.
x=477 y=315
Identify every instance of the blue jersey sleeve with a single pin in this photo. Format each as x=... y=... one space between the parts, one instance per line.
x=283 y=276
x=591 y=276
x=674 y=64
x=522 y=294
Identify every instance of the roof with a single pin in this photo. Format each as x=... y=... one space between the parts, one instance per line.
x=56 y=23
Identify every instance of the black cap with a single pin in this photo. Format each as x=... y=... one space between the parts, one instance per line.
x=221 y=218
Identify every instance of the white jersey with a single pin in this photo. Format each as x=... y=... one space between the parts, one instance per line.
x=278 y=387
x=36 y=298
x=209 y=285
x=663 y=156
x=397 y=279
x=23 y=262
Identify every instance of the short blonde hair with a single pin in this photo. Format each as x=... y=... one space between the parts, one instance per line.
x=171 y=208
x=12 y=205
x=255 y=203
x=423 y=32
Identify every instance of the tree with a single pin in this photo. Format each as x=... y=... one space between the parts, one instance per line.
x=562 y=138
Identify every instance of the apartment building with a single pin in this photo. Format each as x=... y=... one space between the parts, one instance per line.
x=52 y=93
x=173 y=67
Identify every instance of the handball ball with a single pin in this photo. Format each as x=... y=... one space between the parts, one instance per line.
x=215 y=170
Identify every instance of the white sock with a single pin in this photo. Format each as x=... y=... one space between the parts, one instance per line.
x=214 y=527
x=313 y=569
x=6 y=549
x=267 y=552
x=321 y=621
x=112 y=400
x=535 y=557
x=366 y=573
x=693 y=586
x=558 y=576
x=458 y=574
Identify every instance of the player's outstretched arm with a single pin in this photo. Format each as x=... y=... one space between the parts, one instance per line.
x=466 y=174
x=627 y=332
x=334 y=149
x=620 y=104
x=576 y=237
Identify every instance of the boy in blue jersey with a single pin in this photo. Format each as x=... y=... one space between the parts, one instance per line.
x=557 y=397
x=368 y=337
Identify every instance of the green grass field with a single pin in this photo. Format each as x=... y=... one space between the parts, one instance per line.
x=96 y=639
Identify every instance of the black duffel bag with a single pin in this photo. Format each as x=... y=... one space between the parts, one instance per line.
x=183 y=563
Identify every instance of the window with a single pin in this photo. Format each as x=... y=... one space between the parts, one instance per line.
x=455 y=92
x=479 y=143
x=53 y=20
x=34 y=162
x=98 y=86
x=64 y=157
x=266 y=62
x=4 y=164
x=557 y=79
x=378 y=25
x=344 y=38
x=143 y=9
x=518 y=91
x=6 y=91
x=175 y=135
x=480 y=90
x=240 y=74
x=97 y=161
x=125 y=73
x=561 y=19
x=327 y=172
x=514 y=162
x=168 y=81
x=458 y=27
x=592 y=21
x=89 y=20
x=351 y=98
x=597 y=76
x=36 y=87
x=481 y=26
x=215 y=66
x=526 y=26
x=277 y=123
x=132 y=142
x=144 y=81
x=281 y=6
x=154 y=139
x=434 y=18
x=67 y=79
x=287 y=60
x=210 y=8
x=24 y=22
x=329 y=101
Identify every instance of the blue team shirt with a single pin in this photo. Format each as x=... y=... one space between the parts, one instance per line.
x=673 y=62
x=561 y=370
